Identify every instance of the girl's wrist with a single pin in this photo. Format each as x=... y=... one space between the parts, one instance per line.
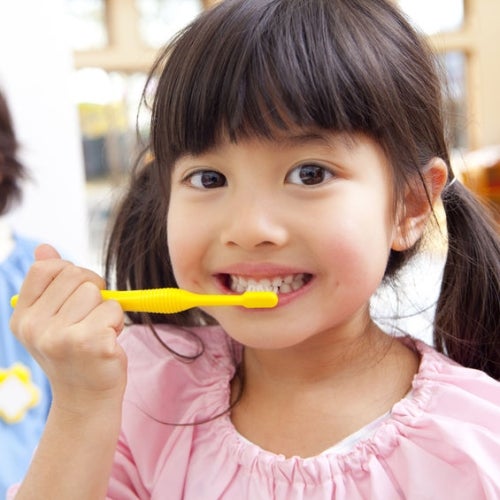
x=77 y=448
x=100 y=425
x=85 y=406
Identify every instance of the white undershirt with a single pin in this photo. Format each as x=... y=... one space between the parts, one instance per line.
x=365 y=432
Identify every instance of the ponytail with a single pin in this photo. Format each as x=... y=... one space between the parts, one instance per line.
x=467 y=320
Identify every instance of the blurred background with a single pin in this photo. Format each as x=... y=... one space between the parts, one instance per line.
x=74 y=70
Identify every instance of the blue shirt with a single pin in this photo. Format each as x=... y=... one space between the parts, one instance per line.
x=18 y=440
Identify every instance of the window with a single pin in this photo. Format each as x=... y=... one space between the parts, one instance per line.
x=438 y=18
x=87 y=24
x=159 y=20
x=433 y=16
x=107 y=105
x=455 y=98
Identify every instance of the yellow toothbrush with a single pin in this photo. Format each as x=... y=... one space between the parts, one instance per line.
x=173 y=300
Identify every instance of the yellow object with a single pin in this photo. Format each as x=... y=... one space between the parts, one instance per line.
x=17 y=393
x=173 y=300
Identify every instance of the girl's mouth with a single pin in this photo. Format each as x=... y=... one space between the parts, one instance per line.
x=278 y=284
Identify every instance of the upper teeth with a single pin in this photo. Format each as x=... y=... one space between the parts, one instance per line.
x=278 y=284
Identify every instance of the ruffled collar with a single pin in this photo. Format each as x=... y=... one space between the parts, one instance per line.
x=385 y=434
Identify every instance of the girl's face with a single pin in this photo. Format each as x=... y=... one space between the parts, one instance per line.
x=309 y=215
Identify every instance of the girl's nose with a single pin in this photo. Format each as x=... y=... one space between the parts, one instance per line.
x=251 y=223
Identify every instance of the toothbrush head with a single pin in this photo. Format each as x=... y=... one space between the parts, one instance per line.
x=259 y=299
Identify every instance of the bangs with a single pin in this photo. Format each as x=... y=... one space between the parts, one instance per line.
x=258 y=68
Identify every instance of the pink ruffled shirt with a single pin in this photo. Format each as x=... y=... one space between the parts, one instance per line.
x=442 y=441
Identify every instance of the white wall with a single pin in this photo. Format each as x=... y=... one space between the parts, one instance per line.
x=35 y=70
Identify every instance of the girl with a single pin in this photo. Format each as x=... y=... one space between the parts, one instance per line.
x=297 y=145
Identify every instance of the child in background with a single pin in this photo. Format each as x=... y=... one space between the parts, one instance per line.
x=297 y=146
x=24 y=389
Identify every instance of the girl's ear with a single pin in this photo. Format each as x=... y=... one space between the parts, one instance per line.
x=416 y=208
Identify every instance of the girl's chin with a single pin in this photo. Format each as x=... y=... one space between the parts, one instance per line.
x=265 y=334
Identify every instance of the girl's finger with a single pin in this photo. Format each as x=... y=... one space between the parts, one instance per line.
x=109 y=315
x=45 y=251
x=82 y=301
x=39 y=276
x=48 y=285
x=83 y=356
x=92 y=338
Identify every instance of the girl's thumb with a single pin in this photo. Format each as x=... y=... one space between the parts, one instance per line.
x=44 y=252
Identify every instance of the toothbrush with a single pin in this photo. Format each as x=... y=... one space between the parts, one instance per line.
x=173 y=300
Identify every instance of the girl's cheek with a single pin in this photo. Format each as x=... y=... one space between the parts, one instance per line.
x=185 y=257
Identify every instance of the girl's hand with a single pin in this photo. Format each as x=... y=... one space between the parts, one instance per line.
x=72 y=332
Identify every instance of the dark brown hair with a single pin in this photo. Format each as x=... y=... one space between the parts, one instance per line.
x=258 y=67
x=11 y=169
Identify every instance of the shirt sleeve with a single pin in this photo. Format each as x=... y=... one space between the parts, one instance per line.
x=125 y=483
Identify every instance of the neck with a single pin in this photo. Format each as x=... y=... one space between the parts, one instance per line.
x=329 y=357
x=301 y=403
x=6 y=239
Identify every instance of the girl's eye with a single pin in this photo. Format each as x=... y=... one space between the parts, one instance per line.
x=206 y=179
x=309 y=175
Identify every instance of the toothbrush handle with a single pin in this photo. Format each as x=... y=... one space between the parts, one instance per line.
x=172 y=300
x=166 y=300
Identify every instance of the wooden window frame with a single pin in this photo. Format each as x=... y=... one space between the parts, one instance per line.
x=127 y=52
